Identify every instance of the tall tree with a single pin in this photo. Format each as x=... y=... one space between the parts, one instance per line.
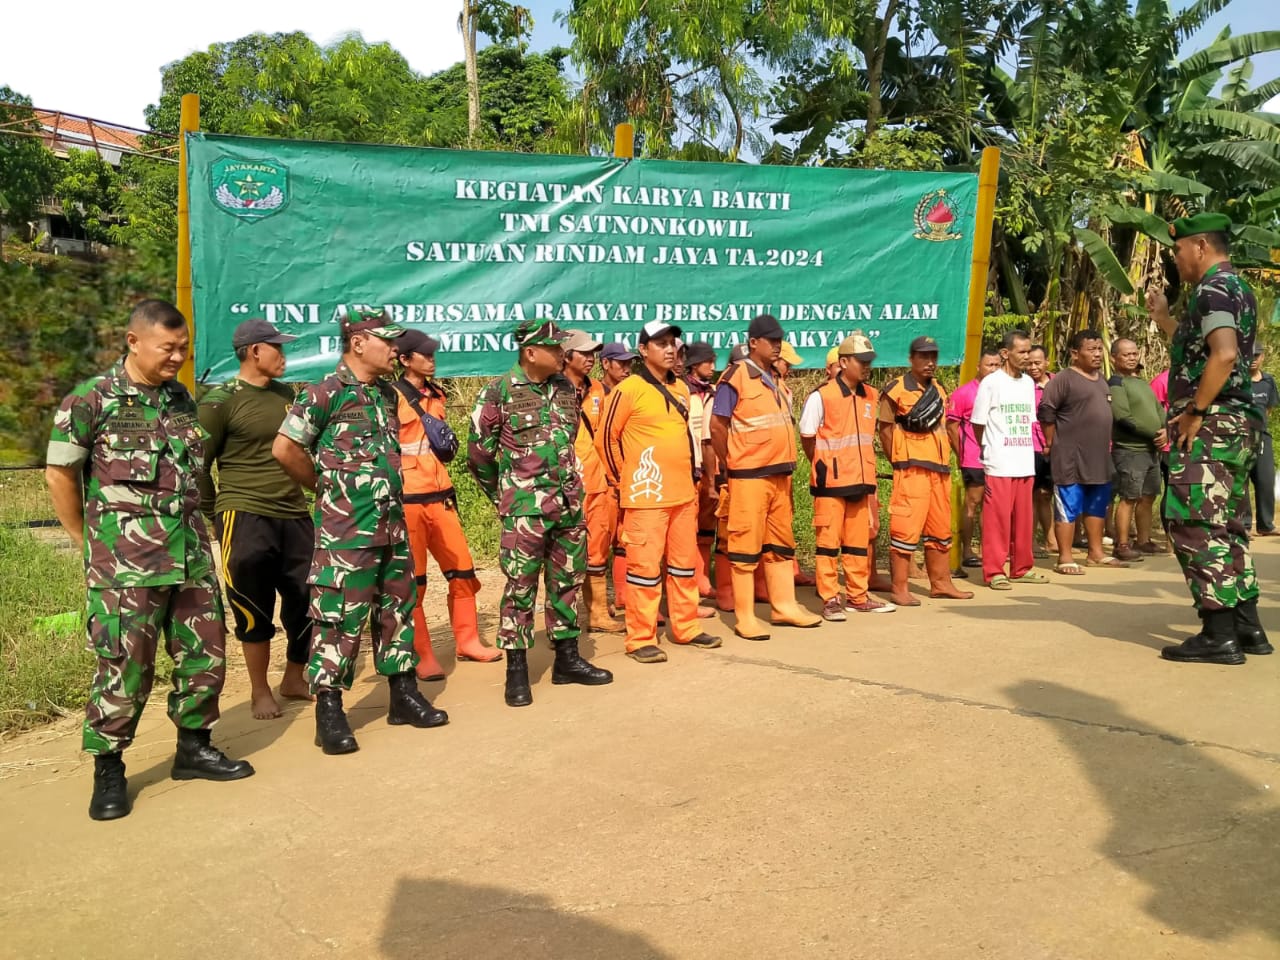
x=501 y=21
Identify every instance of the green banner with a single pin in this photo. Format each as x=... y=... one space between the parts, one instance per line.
x=464 y=245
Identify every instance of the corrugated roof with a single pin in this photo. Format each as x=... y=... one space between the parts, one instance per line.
x=69 y=130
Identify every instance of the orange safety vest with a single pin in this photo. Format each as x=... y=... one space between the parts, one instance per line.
x=761 y=441
x=844 y=453
x=645 y=439
x=426 y=480
x=932 y=451
x=591 y=405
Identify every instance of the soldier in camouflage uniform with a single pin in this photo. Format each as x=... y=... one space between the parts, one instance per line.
x=1214 y=432
x=520 y=450
x=341 y=439
x=124 y=461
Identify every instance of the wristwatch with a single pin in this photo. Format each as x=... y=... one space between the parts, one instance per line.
x=1197 y=411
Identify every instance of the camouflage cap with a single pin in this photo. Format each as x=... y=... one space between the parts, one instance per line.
x=544 y=334
x=376 y=322
x=1200 y=223
x=857 y=345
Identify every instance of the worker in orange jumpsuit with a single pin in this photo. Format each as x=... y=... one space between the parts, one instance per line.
x=700 y=367
x=616 y=361
x=788 y=359
x=837 y=431
x=751 y=431
x=431 y=506
x=649 y=457
x=913 y=434
x=600 y=501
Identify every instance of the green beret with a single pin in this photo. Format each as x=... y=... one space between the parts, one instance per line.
x=1200 y=223
x=531 y=333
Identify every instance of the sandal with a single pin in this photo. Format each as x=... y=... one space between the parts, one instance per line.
x=1000 y=582
x=972 y=562
x=1071 y=569
x=1107 y=562
x=1031 y=576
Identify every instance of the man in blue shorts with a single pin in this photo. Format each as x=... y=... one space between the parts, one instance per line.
x=1075 y=413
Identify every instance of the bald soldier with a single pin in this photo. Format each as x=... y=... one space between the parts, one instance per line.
x=124 y=463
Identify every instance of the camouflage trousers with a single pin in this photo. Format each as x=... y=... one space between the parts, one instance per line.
x=557 y=551
x=350 y=588
x=1203 y=508
x=124 y=627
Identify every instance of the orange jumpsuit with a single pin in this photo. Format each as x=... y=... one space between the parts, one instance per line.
x=920 y=507
x=761 y=458
x=600 y=502
x=648 y=454
x=431 y=514
x=843 y=484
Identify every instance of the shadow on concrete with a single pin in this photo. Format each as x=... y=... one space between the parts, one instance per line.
x=1200 y=838
x=447 y=919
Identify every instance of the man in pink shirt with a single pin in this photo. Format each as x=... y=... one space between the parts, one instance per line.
x=969 y=453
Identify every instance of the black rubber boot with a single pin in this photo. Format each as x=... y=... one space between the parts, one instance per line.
x=198 y=759
x=1215 y=643
x=518 y=693
x=1249 y=633
x=110 y=789
x=569 y=667
x=333 y=733
x=408 y=705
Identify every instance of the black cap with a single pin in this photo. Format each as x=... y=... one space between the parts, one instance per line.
x=415 y=341
x=699 y=352
x=766 y=325
x=618 y=351
x=258 y=331
x=924 y=345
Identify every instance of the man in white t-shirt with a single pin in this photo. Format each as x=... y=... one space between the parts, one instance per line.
x=1004 y=412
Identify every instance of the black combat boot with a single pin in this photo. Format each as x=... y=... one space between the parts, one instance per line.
x=1249 y=633
x=333 y=733
x=518 y=693
x=569 y=667
x=198 y=759
x=408 y=705
x=1215 y=643
x=110 y=789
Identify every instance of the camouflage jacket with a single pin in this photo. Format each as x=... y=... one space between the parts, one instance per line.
x=351 y=430
x=1221 y=299
x=520 y=448
x=140 y=451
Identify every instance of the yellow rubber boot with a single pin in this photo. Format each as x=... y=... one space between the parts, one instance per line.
x=784 y=610
x=744 y=605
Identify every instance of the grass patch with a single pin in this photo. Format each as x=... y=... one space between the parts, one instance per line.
x=44 y=673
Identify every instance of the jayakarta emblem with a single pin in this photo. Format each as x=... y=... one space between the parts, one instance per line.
x=249 y=189
x=936 y=217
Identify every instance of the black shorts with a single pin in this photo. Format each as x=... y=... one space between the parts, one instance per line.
x=973 y=477
x=1044 y=479
x=263 y=556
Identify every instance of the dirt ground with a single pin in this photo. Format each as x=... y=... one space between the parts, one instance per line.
x=1019 y=776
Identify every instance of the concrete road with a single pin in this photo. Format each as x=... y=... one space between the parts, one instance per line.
x=1019 y=776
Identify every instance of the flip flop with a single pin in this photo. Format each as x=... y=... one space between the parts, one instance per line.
x=1071 y=569
x=1107 y=562
x=972 y=562
x=1031 y=576
x=1000 y=582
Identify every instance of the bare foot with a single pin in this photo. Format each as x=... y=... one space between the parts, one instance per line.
x=295 y=688
x=903 y=599
x=265 y=706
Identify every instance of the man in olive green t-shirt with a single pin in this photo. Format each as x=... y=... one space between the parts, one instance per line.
x=1136 y=438
x=260 y=515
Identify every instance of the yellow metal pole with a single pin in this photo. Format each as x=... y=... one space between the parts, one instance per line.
x=189 y=122
x=984 y=217
x=624 y=141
